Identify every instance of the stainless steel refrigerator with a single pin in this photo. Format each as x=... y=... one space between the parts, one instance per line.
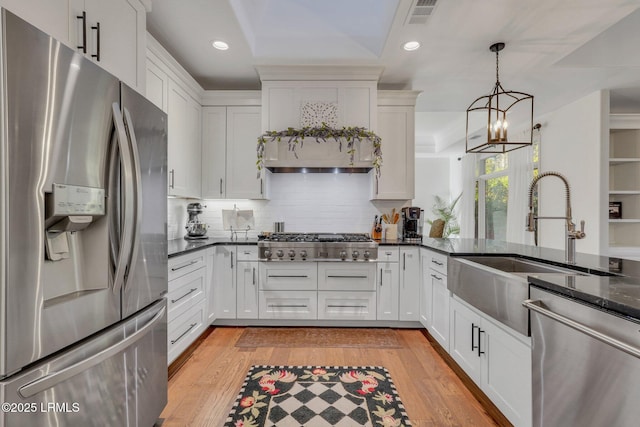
x=83 y=252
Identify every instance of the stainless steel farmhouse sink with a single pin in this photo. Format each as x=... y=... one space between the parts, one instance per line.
x=497 y=285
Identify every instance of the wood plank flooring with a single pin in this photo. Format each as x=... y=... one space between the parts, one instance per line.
x=202 y=392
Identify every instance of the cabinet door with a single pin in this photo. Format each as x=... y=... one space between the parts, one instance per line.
x=440 y=309
x=225 y=282
x=157 y=82
x=214 y=142
x=243 y=129
x=210 y=283
x=51 y=16
x=183 y=143
x=506 y=373
x=388 y=280
x=425 y=288
x=397 y=174
x=122 y=38
x=247 y=290
x=464 y=347
x=410 y=284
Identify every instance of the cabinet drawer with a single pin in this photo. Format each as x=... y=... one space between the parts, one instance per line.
x=347 y=305
x=183 y=264
x=184 y=330
x=438 y=262
x=184 y=292
x=288 y=305
x=247 y=253
x=284 y=276
x=388 y=254
x=347 y=276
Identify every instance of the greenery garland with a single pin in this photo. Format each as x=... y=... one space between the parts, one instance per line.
x=349 y=135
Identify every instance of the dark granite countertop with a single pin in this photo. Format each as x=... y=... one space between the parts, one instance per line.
x=619 y=294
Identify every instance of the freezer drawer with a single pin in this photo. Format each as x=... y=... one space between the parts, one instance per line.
x=116 y=378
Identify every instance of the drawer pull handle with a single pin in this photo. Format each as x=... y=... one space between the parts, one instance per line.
x=173 y=301
x=436 y=277
x=193 y=325
x=346 y=306
x=437 y=262
x=287 y=306
x=195 y=261
x=347 y=277
x=284 y=275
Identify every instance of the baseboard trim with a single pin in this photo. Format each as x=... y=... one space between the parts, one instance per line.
x=186 y=354
x=491 y=409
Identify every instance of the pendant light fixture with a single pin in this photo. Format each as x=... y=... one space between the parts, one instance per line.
x=498 y=109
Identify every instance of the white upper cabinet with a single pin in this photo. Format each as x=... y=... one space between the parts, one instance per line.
x=51 y=16
x=184 y=143
x=111 y=33
x=396 y=127
x=229 y=140
x=174 y=91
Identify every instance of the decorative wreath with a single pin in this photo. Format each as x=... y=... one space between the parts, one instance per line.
x=347 y=135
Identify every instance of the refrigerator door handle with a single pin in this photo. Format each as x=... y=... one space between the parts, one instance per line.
x=44 y=383
x=127 y=184
x=135 y=244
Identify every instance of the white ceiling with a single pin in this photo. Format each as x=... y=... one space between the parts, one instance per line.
x=556 y=50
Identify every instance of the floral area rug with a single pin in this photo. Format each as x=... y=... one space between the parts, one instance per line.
x=314 y=396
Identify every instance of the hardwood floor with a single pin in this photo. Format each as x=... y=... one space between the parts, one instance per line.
x=203 y=390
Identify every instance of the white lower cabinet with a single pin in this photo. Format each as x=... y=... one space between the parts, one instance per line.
x=347 y=305
x=495 y=358
x=247 y=278
x=409 y=298
x=224 y=295
x=425 y=288
x=440 y=295
x=288 y=304
x=388 y=283
x=186 y=301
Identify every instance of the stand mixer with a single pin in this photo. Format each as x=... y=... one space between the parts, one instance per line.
x=195 y=229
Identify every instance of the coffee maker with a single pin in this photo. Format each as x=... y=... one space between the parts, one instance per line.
x=412 y=221
x=195 y=229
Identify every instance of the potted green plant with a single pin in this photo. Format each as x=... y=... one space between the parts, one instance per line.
x=445 y=211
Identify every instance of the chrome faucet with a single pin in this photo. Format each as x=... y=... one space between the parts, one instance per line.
x=572 y=234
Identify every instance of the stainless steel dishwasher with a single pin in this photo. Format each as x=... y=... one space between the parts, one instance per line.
x=586 y=364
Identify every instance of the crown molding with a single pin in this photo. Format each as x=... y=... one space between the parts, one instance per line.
x=319 y=72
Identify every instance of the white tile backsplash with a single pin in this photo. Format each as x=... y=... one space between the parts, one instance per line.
x=316 y=202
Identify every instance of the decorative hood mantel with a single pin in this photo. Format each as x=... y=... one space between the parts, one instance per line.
x=333 y=100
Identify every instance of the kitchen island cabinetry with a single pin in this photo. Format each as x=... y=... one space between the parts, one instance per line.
x=224 y=288
x=396 y=127
x=409 y=292
x=496 y=359
x=186 y=302
x=388 y=283
x=229 y=139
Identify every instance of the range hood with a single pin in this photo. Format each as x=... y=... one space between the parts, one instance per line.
x=311 y=96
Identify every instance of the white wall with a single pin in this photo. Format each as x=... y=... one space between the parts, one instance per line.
x=432 y=178
x=572 y=144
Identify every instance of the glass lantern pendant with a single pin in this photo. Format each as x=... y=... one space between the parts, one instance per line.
x=499 y=108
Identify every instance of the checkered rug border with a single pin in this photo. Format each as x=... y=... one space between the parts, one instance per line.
x=314 y=395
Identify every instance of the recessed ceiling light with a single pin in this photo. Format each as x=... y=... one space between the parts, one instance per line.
x=412 y=45
x=220 y=45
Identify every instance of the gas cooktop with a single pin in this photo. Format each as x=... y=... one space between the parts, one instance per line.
x=318 y=246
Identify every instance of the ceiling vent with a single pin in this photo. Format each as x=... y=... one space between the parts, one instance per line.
x=420 y=12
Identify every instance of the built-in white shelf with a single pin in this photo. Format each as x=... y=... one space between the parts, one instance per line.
x=623 y=192
x=613 y=161
x=624 y=220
